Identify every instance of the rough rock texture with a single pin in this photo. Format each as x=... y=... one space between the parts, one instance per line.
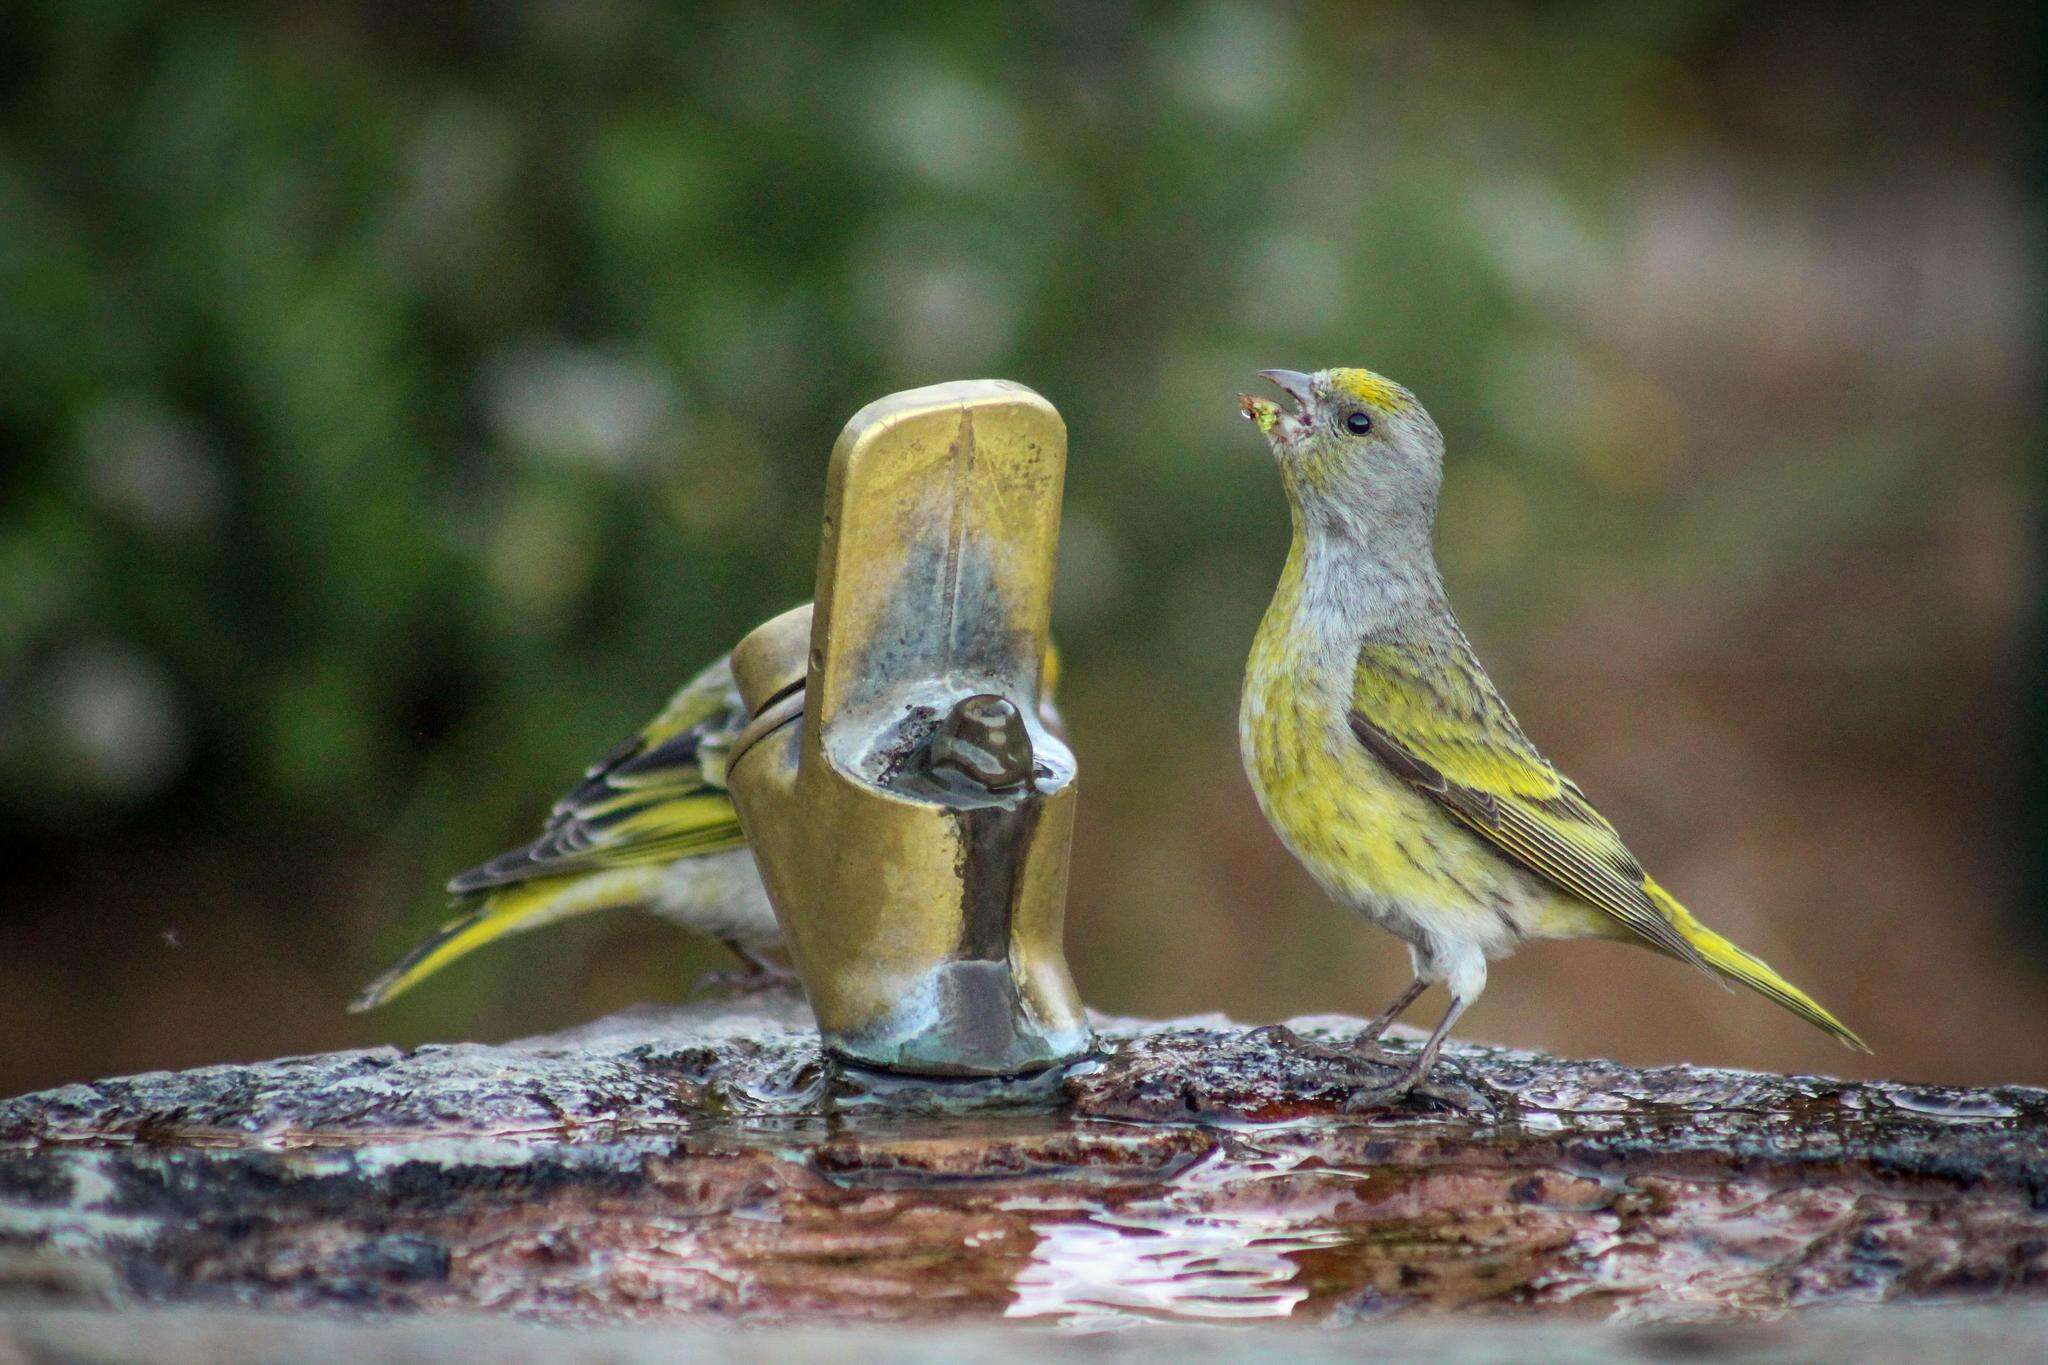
x=185 y=1336
x=669 y=1164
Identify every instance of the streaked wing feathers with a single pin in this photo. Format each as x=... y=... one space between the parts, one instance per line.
x=659 y=796
x=1441 y=728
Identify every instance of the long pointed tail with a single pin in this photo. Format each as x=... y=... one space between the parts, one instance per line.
x=514 y=910
x=1749 y=970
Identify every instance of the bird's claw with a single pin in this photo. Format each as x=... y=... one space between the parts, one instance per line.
x=1431 y=1091
x=1359 y=1059
x=1368 y=1099
x=745 y=981
x=1381 y=1078
x=1281 y=1037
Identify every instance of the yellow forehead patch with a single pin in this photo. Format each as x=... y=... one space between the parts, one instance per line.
x=1368 y=387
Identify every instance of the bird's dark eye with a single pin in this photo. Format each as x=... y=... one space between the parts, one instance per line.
x=1358 y=423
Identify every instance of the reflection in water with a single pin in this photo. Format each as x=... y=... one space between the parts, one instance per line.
x=1181 y=1256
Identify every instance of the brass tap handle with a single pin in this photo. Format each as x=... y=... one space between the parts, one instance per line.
x=984 y=739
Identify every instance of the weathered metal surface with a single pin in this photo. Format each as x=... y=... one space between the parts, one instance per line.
x=923 y=905
x=678 y=1165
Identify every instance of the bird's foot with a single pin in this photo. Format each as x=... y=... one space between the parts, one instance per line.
x=1383 y=1078
x=752 y=980
x=1365 y=1056
x=1364 y=1065
x=1429 y=1088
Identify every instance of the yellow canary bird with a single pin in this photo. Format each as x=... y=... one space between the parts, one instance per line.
x=651 y=827
x=1381 y=752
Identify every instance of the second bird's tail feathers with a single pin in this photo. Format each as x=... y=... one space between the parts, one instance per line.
x=1749 y=970
x=510 y=910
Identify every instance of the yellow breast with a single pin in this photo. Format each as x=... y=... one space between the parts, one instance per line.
x=1369 y=839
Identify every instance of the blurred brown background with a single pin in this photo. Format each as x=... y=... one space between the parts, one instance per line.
x=397 y=402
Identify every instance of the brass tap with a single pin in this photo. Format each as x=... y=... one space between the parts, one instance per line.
x=909 y=806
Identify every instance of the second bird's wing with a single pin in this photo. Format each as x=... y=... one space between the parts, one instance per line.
x=659 y=796
x=1429 y=713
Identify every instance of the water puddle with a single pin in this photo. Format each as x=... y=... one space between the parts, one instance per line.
x=1952 y=1104
x=1186 y=1255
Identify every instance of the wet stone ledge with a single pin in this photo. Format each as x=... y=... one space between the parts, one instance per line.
x=705 y=1164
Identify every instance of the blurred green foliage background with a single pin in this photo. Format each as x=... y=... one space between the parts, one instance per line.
x=397 y=401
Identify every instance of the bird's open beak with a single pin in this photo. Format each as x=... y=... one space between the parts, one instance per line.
x=1293 y=383
x=1268 y=415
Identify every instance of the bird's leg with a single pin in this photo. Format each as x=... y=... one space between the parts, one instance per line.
x=1425 y=1060
x=1365 y=1048
x=1384 y=1020
x=1417 y=1070
x=758 y=974
x=757 y=964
